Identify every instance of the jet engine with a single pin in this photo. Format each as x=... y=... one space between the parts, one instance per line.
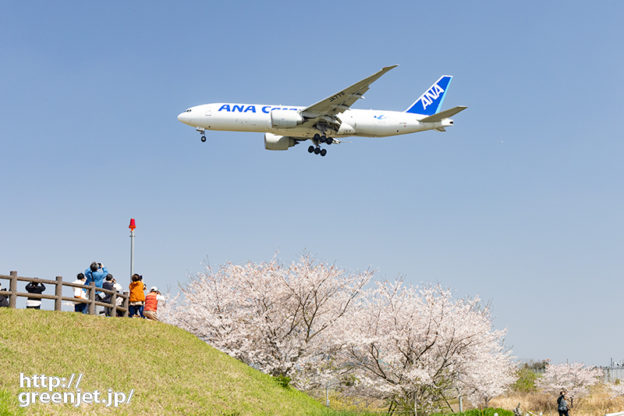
x=275 y=142
x=285 y=118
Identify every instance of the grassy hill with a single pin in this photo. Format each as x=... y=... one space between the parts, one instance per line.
x=171 y=371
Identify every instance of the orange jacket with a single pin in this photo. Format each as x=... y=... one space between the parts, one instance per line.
x=136 y=291
x=151 y=301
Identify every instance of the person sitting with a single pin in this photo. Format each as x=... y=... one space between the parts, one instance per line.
x=137 y=296
x=80 y=294
x=151 y=303
x=34 y=287
x=4 y=299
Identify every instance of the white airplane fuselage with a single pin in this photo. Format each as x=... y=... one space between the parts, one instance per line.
x=261 y=118
x=327 y=121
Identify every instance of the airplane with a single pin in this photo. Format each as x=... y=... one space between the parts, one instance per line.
x=327 y=121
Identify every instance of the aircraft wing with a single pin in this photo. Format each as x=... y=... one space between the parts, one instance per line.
x=343 y=100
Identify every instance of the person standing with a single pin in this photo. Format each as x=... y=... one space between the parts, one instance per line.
x=34 y=287
x=108 y=285
x=562 y=404
x=80 y=294
x=96 y=273
x=137 y=296
x=120 y=300
x=151 y=303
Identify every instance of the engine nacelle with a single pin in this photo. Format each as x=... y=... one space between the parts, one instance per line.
x=285 y=118
x=275 y=142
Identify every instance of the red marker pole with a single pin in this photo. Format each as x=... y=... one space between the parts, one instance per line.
x=132 y=227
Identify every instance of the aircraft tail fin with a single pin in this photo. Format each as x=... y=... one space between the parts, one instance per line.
x=431 y=100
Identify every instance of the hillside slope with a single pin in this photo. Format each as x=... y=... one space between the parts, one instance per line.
x=170 y=370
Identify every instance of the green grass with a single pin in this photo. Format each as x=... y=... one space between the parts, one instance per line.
x=171 y=371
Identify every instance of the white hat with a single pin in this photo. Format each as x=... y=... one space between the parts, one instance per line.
x=154 y=289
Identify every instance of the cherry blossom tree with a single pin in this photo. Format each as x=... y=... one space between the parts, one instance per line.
x=487 y=375
x=415 y=347
x=574 y=378
x=270 y=316
x=617 y=390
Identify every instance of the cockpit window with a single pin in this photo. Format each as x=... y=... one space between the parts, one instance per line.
x=188 y=110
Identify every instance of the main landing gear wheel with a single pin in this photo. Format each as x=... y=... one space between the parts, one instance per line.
x=318 y=139
x=203 y=139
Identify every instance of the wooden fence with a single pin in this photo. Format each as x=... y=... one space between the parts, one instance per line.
x=58 y=297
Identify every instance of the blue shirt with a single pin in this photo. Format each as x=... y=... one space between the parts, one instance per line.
x=97 y=276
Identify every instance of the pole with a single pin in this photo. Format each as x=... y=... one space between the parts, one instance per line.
x=326 y=394
x=415 y=405
x=131 y=252
x=13 y=289
x=58 y=292
x=132 y=227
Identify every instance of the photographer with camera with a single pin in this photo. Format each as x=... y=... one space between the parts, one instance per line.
x=137 y=296
x=34 y=287
x=96 y=273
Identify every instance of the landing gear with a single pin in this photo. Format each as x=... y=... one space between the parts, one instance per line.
x=317 y=139
x=202 y=132
x=317 y=150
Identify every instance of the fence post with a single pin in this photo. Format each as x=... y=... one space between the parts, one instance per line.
x=126 y=304
x=58 y=293
x=92 y=298
x=13 y=289
x=114 y=303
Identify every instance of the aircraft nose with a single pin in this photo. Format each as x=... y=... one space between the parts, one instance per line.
x=184 y=117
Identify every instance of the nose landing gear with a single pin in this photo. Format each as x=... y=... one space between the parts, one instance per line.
x=203 y=134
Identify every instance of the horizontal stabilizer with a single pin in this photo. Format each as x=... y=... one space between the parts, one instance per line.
x=443 y=114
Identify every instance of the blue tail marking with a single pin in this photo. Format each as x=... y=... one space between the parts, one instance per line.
x=431 y=101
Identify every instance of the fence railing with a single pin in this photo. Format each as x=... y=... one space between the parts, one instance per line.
x=611 y=374
x=58 y=297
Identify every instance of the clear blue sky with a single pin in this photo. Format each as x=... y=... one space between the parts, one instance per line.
x=521 y=202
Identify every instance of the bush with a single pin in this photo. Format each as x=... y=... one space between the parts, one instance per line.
x=283 y=381
x=526 y=380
